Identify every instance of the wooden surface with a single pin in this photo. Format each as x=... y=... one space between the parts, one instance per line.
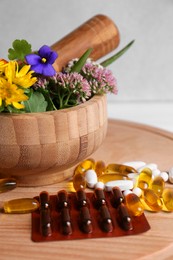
x=125 y=141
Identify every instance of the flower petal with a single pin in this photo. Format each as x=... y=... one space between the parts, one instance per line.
x=44 y=51
x=33 y=59
x=52 y=57
x=38 y=68
x=48 y=70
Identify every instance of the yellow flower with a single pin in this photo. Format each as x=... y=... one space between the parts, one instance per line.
x=3 y=64
x=22 y=77
x=11 y=94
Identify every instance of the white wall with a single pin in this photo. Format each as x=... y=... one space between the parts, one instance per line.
x=144 y=73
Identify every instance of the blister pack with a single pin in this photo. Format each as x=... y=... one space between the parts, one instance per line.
x=83 y=215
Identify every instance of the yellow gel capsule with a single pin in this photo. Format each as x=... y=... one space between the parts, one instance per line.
x=111 y=177
x=23 y=205
x=100 y=167
x=157 y=185
x=7 y=184
x=79 y=181
x=120 y=168
x=84 y=166
x=144 y=179
x=167 y=197
x=152 y=200
x=134 y=204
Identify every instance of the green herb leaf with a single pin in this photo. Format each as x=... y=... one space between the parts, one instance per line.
x=117 y=55
x=2 y=108
x=12 y=109
x=20 y=49
x=80 y=63
x=36 y=103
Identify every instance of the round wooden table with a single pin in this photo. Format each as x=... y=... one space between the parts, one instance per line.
x=125 y=141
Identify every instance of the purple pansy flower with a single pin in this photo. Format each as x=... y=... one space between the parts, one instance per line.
x=42 y=62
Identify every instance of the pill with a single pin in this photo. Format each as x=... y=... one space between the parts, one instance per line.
x=62 y=197
x=152 y=200
x=23 y=205
x=167 y=197
x=137 y=191
x=100 y=185
x=115 y=168
x=164 y=176
x=135 y=164
x=118 y=197
x=100 y=197
x=122 y=184
x=66 y=221
x=151 y=166
x=85 y=220
x=144 y=178
x=105 y=219
x=7 y=184
x=124 y=218
x=155 y=173
x=91 y=178
x=45 y=222
x=85 y=165
x=79 y=181
x=134 y=177
x=100 y=167
x=157 y=185
x=81 y=198
x=170 y=174
x=44 y=200
x=112 y=177
x=133 y=203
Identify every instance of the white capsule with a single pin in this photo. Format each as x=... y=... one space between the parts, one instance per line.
x=171 y=175
x=126 y=192
x=135 y=164
x=155 y=173
x=99 y=185
x=133 y=177
x=164 y=176
x=137 y=191
x=151 y=166
x=122 y=184
x=91 y=178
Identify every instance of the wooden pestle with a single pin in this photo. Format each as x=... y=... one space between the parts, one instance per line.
x=98 y=33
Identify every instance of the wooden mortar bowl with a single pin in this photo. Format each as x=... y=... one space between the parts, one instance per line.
x=43 y=148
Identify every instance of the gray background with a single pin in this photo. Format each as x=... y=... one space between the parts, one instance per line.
x=145 y=73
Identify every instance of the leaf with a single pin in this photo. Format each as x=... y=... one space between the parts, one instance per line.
x=20 y=49
x=117 y=55
x=12 y=109
x=2 y=108
x=36 y=103
x=80 y=63
x=50 y=104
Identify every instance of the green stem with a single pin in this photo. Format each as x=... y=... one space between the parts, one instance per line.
x=117 y=55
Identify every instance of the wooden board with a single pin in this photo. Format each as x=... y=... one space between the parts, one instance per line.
x=125 y=141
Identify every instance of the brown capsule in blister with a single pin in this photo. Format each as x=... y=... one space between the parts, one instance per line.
x=106 y=221
x=85 y=220
x=100 y=197
x=81 y=198
x=45 y=222
x=62 y=197
x=44 y=200
x=66 y=221
x=118 y=197
x=124 y=217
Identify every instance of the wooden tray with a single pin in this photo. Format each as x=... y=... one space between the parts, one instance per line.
x=125 y=141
